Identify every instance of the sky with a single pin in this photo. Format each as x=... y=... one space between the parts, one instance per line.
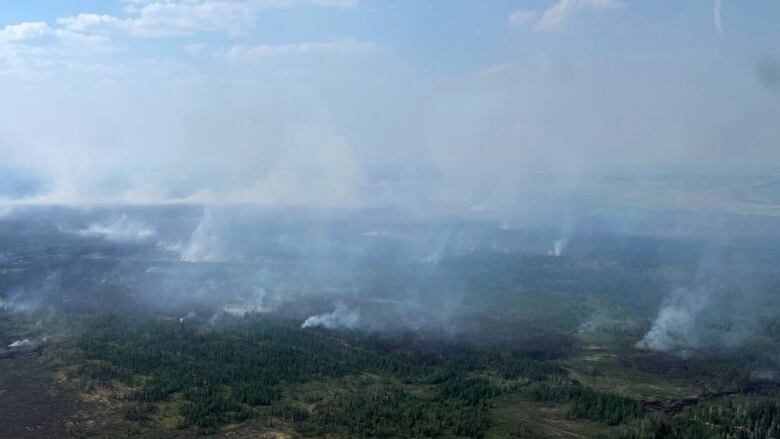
x=366 y=102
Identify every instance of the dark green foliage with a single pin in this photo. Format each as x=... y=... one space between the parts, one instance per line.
x=526 y=431
x=208 y=408
x=392 y=412
x=528 y=369
x=472 y=391
x=588 y=404
x=222 y=373
x=247 y=367
x=731 y=418
x=605 y=407
x=140 y=413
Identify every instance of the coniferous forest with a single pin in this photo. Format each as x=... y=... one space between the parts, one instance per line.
x=345 y=384
x=491 y=336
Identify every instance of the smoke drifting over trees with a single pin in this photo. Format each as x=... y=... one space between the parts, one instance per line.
x=447 y=208
x=386 y=271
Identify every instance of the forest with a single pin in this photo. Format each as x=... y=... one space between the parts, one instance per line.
x=360 y=326
x=346 y=384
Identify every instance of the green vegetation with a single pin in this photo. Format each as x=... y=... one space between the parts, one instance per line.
x=222 y=375
x=733 y=418
x=318 y=383
x=245 y=369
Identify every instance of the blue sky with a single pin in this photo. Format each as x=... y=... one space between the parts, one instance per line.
x=453 y=35
x=298 y=101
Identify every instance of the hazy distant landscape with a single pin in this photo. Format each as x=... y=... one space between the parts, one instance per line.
x=290 y=219
x=245 y=321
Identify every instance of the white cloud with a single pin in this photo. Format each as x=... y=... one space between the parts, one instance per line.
x=32 y=49
x=89 y=22
x=24 y=31
x=194 y=48
x=335 y=3
x=308 y=122
x=30 y=32
x=29 y=48
x=560 y=13
x=266 y=50
x=522 y=18
x=167 y=18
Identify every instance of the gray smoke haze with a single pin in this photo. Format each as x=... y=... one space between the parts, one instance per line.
x=308 y=159
x=18 y=303
x=118 y=229
x=353 y=122
x=469 y=278
x=6 y=210
x=678 y=325
x=723 y=305
x=204 y=244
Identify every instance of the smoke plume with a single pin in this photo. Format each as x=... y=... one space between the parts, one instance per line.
x=340 y=318
x=558 y=246
x=678 y=324
x=120 y=229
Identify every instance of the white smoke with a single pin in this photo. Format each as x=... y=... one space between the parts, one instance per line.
x=16 y=304
x=120 y=229
x=21 y=343
x=677 y=323
x=30 y=298
x=590 y=325
x=257 y=301
x=239 y=310
x=6 y=210
x=190 y=315
x=559 y=245
x=341 y=317
x=204 y=244
x=433 y=258
x=255 y=304
x=376 y=233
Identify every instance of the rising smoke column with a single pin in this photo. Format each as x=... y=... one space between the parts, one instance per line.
x=558 y=246
x=341 y=317
x=677 y=325
x=204 y=244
